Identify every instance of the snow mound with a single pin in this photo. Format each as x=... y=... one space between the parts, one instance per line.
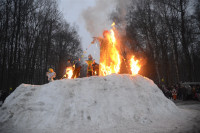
x=115 y=103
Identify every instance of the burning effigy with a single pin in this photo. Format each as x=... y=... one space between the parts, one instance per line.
x=111 y=56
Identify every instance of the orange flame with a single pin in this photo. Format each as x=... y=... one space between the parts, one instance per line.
x=135 y=66
x=110 y=58
x=110 y=62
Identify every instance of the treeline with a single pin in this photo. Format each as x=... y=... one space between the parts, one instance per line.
x=33 y=37
x=167 y=34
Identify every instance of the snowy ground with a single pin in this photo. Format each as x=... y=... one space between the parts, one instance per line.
x=111 y=104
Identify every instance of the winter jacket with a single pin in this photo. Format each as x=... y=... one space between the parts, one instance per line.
x=51 y=75
x=89 y=62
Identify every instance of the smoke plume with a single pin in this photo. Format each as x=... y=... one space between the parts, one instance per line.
x=98 y=17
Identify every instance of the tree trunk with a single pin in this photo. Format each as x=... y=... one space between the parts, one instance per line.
x=185 y=46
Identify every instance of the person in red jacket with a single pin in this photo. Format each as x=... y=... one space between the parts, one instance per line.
x=174 y=93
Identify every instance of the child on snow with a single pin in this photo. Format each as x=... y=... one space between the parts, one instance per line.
x=51 y=75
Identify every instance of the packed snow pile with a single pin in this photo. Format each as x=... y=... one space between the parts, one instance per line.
x=115 y=103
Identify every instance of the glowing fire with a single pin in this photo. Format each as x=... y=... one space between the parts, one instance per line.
x=110 y=56
x=135 y=66
x=110 y=60
x=69 y=72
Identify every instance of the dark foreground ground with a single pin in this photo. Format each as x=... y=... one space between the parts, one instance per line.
x=191 y=106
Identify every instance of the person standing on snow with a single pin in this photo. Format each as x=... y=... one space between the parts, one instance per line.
x=68 y=66
x=51 y=75
x=95 y=68
x=89 y=62
x=77 y=69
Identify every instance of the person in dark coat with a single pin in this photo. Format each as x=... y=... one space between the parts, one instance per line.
x=184 y=92
x=95 y=68
x=77 y=69
x=180 y=92
x=68 y=65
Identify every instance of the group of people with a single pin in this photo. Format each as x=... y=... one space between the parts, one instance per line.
x=179 y=92
x=75 y=67
x=174 y=92
x=93 y=68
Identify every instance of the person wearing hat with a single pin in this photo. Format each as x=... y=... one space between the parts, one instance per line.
x=51 y=75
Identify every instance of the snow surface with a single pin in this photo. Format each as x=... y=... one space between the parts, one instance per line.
x=111 y=104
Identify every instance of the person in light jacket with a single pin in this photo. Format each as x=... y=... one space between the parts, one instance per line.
x=51 y=75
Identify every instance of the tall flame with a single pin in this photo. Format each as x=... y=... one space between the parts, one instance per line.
x=135 y=66
x=110 y=58
x=110 y=62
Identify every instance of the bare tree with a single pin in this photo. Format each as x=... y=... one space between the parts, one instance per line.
x=166 y=33
x=29 y=42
